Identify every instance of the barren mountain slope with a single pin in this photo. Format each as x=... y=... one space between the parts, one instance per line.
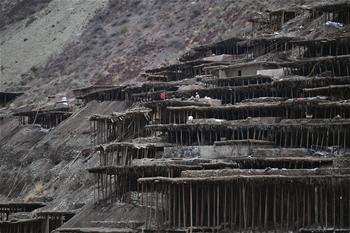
x=29 y=43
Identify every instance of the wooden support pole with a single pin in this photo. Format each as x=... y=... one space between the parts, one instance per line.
x=184 y=205
x=191 y=208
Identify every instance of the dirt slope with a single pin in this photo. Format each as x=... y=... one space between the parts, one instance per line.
x=30 y=42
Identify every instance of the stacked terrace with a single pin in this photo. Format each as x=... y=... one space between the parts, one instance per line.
x=203 y=61
x=220 y=142
x=277 y=18
x=176 y=171
x=126 y=92
x=329 y=230
x=322 y=57
x=256 y=47
x=335 y=12
x=46 y=117
x=96 y=230
x=286 y=108
x=304 y=133
x=265 y=202
x=119 y=126
x=118 y=181
x=22 y=226
x=81 y=92
x=52 y=220
x=270 y=21
x=323 y=47
x=225 y=52
x=222 y=89
x=228 y=46
x=36 y=222
x=173 y=158
x=6 y=209
x=105 y=93
x=160 y=114
x=259 y=23
x=155 y=87
x=42 y=222
x=180 y=71
x=240 y=69
x=121 y=164
x=326 y=66
x=237 y=81
x=123 y=153
x=238 y=49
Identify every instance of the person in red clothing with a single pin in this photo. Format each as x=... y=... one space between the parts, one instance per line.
x=162 y=95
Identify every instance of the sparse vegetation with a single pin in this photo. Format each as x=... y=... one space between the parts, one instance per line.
x=37 y=190
x=124 y=30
